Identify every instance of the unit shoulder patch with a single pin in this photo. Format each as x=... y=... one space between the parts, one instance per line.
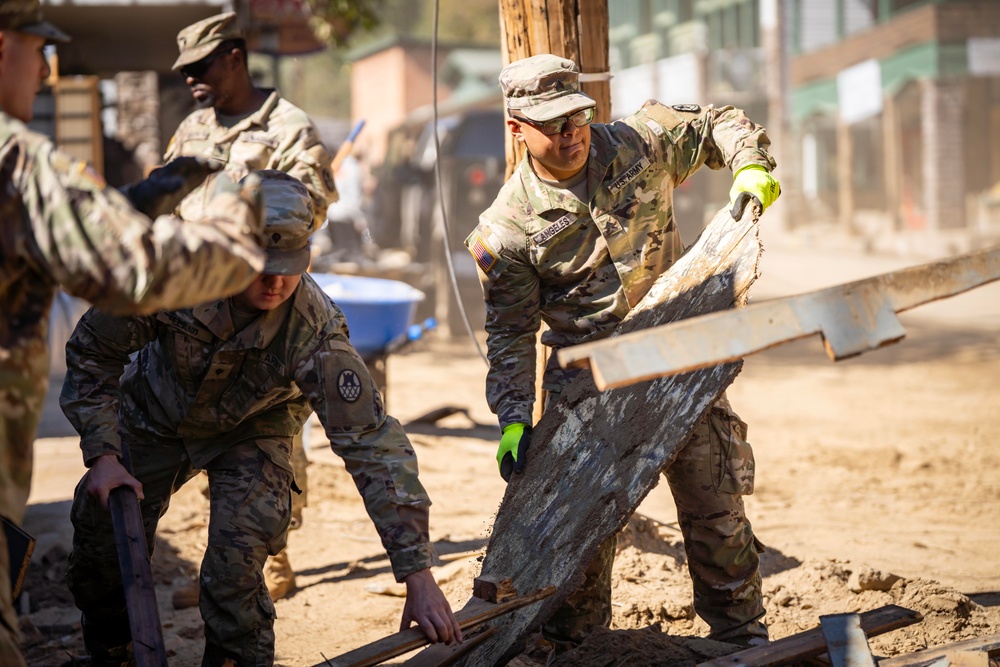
x=349 y=385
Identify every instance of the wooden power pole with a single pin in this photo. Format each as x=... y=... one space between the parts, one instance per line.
x=574 y=29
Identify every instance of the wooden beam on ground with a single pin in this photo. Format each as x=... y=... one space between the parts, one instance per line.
x=852 y=318
x=939 y=656
x=473 y=614
x=811 y=643
x=594 y=456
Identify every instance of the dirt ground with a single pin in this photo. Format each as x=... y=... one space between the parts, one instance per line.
x=876 y=485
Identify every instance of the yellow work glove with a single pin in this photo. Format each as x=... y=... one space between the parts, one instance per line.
x=513 y=450
x=756 y=181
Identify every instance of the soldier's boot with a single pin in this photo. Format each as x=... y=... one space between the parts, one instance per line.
x=753 y=633
x=104 y=646
x=119 y=656
x=279 y=577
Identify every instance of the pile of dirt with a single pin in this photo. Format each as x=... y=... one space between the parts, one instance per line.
x=652 y=590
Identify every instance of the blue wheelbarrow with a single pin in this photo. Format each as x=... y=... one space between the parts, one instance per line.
x=379 y=315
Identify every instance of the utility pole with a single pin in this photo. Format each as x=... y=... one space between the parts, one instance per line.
x=574 y=29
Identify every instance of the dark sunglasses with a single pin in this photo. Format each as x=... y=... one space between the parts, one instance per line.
x=198 y=68
x=557 y=125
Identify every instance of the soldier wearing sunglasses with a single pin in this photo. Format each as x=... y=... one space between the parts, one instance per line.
x=246 y=129
x=576 y=237
x=239 y=125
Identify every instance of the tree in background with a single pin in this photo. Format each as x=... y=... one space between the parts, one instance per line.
x=354 y=22
x=319 y=84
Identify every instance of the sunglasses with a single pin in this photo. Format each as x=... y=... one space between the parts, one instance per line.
x=198 y=68
x=557 y=125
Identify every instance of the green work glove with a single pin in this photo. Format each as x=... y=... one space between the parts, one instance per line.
x=756 y=181
x=166 y=186
x=513 y=450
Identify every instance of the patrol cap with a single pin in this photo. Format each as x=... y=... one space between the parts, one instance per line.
x=200 y=39
x=288 y=222
x=26 y=16
x=543 y=87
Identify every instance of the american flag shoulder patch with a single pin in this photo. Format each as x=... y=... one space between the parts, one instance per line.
x=486 y=258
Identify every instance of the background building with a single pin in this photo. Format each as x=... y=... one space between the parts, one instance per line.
x=885 y=114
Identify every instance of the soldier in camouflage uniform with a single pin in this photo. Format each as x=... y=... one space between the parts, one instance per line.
x=245 y=129
x=576 y=238
x=223 y=387
x=62 y=227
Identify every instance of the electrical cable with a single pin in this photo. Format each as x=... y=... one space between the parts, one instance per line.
x=440 y=192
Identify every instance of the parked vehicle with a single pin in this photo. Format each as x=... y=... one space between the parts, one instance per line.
x=472 y=165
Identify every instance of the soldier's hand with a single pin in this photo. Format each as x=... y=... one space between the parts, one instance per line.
x=166 y=186
x=106 y=473
x=757 y=182
x=513 y=451
x=427 y=606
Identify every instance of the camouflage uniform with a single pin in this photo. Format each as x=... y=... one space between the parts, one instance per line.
x=277 y=136
x=203 y=393
x=63 y=227
x=545 y=255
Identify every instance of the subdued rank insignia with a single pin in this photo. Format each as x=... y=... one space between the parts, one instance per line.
x=349 y=386
x=687 y=108
x=485 y=257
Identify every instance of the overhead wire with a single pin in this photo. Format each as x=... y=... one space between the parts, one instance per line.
x=446 y=236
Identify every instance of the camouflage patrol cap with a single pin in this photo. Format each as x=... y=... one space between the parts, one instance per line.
x=26 y=16
x=200 y=39
x=288 y=222
x=543 y=87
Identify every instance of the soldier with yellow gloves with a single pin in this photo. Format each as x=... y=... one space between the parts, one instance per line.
x=244 y=128
x=223 y=387
x=576 y=238
x=63 y=227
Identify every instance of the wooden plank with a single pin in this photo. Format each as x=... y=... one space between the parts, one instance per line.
x=20 y=546
x=852 y=318
x=989 y=644
x=811 y=643
x=473 y=614
x=448 y=655
x=137 y=578
x=594 y=456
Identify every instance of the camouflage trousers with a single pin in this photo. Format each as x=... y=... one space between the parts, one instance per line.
x=300 y=499
x=10 y=650
x=708 y=478
x=250 y=505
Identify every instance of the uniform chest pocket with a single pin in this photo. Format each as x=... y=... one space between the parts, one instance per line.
x=626 y=209
x=250 y=155
x=257 y=380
